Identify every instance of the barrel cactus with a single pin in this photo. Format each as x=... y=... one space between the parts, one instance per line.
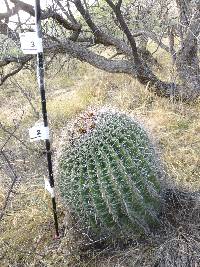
x=108 y=176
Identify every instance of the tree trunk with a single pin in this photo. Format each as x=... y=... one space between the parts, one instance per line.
x=187 y=65
x=187 y=62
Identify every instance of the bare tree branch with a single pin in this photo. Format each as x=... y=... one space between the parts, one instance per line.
x=46 y=14
x=12 y=73
x=15 y=178
x=5 y=60
x=9 y=13
x=24 y=93
x=82 y=53
x=5 y=30
x=125 y=29
x=23 y=6
x=12 y=134
x=7 y=5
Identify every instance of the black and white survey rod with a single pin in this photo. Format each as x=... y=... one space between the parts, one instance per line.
x=40 y=76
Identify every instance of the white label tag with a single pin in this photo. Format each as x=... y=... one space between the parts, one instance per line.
x=39 y=132
x=30 y=43
x=48 y=187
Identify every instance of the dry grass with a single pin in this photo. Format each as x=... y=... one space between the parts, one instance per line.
x=66 y=105
x=27 y=228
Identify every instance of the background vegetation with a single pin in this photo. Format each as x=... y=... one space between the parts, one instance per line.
x=26 y=226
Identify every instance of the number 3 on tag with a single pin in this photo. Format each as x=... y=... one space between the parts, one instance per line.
x=30 y=43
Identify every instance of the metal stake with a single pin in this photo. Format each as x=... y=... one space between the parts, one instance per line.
x=40 y=75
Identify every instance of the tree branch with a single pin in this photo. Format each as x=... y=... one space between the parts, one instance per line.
x=14 y=180
x=193 y=30
x=12 y=73
x=9 y=13
x=12 y=134
x=24 y=93
x=23 y=6
x=10 y=59
x=46 y=14
x=7 y=5
x=5 y=30
x=102 y=37
x=125 y=29
x=82 y=53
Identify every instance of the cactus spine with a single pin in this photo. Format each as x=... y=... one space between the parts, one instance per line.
x=109 y=177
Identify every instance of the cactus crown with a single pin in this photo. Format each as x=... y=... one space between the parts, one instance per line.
x=108 y=175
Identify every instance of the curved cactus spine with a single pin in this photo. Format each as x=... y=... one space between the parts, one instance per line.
x=109 y=177
x=130 y=197
x=108 y=193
